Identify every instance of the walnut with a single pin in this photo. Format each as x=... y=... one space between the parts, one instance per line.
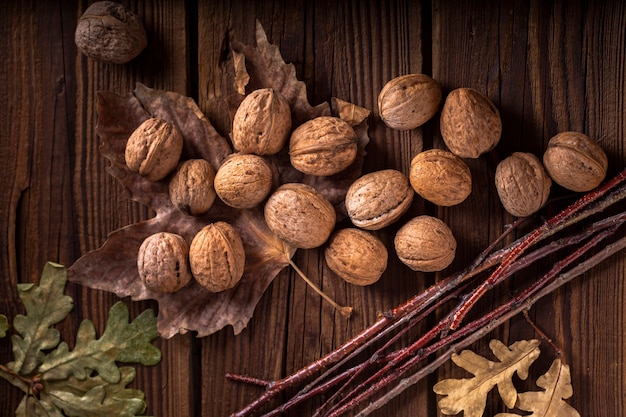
x=162 y=262
x=262 y=123
x=425 y=244
x=378 y=199
x=575 y=161
x=300 y=215
x=323 y=146
x=440 y=177
x=109 y=32
x=154 y=148
x=357 y=256
x=243 y=180
x=409 y=101
x=470 y=123
x=191 y=187
x=522 y=183
x=217 y=257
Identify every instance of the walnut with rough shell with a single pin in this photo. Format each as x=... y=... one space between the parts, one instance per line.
x=470 y=123
x=300 y=215
x=522 y=183
x=440 y=177
x=243 y=180
x=357 y=256
x=425 y=244
x=217 y=257
x=191 y=187
x=262 y=123
x=378 y=199
x=409 y=101
x=575 y=161
x=323 y=146
x=109 y=32
x=163 y=263
x=153 y=149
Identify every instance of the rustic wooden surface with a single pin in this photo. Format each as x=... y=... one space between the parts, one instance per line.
x=548 y=66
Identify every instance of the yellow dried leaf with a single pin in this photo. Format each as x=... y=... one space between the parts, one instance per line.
x=470 y=394
x=550 y=402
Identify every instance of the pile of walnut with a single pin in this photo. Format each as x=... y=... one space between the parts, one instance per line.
x=298 y=214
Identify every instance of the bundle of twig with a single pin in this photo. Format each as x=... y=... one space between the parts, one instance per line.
x=390 y=369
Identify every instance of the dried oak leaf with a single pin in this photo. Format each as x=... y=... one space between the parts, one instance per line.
x=550 y=402
x=113 y=268
x=470 y=394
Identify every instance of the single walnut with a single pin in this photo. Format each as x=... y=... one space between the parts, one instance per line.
x=522 y=183
x=154 y=148
x=440 y=177
x=425 y=244
x=162 y=262
x=323 y=146
x=378 y=199
x=575 y=161
x=300 y=215
x=109 y=32
x=243 y=180
x=470 y=123
x=409 y=101
x=262 y=123
x=357 y=256
x=191 y=187
x=217 y=257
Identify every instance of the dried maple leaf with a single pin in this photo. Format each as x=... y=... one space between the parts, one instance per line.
x=113 y=267
x=470 y=394
x=550 y=402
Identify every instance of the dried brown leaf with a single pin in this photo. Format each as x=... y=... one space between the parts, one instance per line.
x=113 y=268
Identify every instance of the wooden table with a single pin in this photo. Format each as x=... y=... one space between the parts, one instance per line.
x=548 y=66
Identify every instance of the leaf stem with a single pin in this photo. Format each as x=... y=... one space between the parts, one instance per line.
x=343 y=310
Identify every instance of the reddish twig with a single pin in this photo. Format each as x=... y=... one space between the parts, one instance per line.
x=385 y=369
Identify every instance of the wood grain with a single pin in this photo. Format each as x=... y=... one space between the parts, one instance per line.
x=549 y=66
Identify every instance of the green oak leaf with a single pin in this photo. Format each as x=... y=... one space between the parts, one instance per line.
x=121 y=341
x=95 y=397
x=35 y=407
x=4 y=325
x=45 y=306
x=85 y=381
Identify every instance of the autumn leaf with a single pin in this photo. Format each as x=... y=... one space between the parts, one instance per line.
x=113 y=267
x=85 y=381
x=470 y=394
x=549 y=402
x=45 y=306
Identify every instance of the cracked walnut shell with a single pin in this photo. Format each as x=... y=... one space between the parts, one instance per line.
x=575 y=161
x=217 y=257
x=153 y=149
x=109 y=32
x=243 y=180
x=409 y=101
x=522 y=183
x=300 y=215
x=357 y=256
x=425 y=244
x=162 y=262
x=470 y=123
x=262 y=123
x=440 y=177
x=323 y=146
x=378 y=199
